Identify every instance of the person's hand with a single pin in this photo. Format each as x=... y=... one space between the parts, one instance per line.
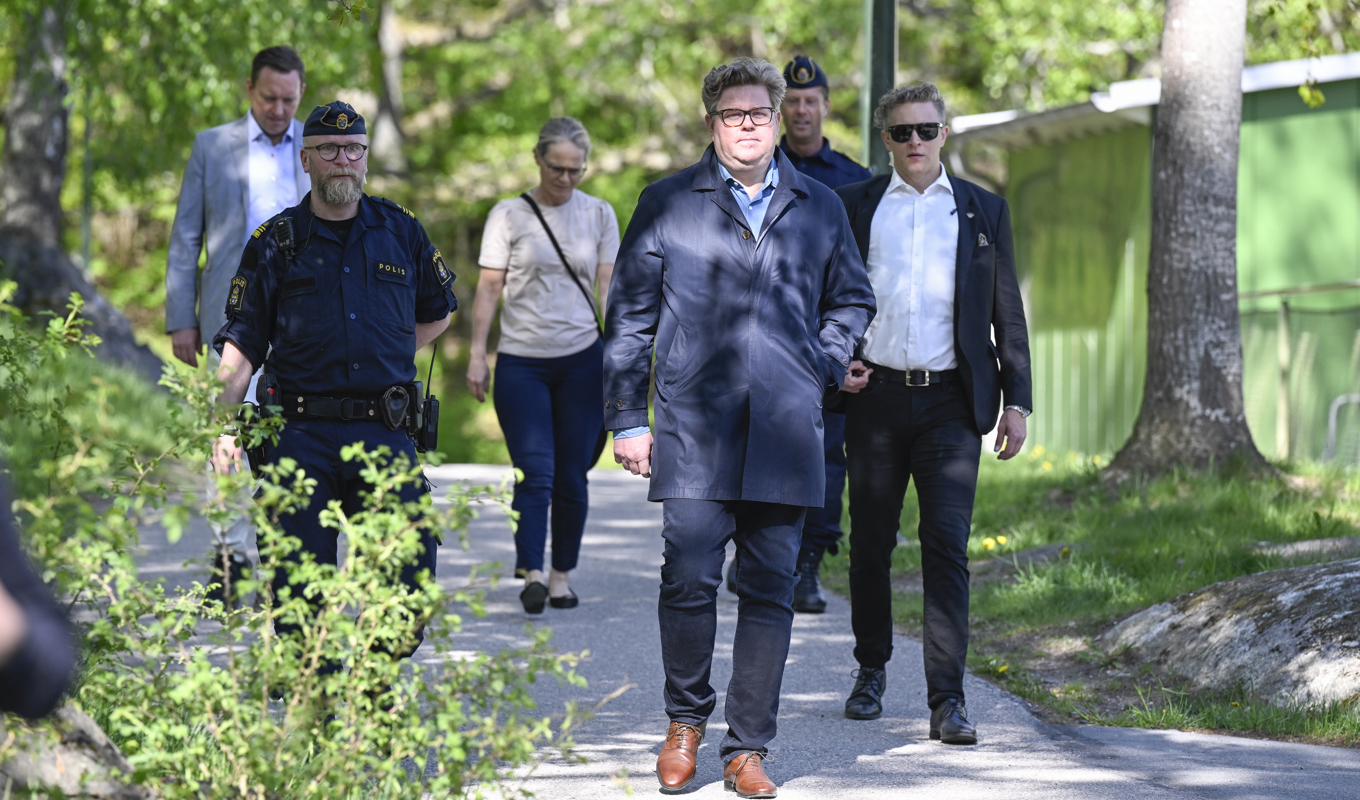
x=226 y=453
x=857 y=377
x=186 y=344
x=478 y=377
x=1010 y=435
x=635 y=454
x=13 y=625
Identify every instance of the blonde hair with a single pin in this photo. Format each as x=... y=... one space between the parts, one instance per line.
x=923 y=92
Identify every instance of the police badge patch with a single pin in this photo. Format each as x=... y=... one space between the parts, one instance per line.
x=441 y=270
x=237 y=297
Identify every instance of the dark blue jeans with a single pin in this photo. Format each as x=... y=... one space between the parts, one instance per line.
x=316 y=445
x=551 y=411
x=822 y=531
x=696 y=533
x=926 y=435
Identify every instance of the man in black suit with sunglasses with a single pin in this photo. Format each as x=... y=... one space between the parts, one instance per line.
x=948 y=344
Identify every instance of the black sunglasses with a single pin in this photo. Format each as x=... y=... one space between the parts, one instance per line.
x=926 y=130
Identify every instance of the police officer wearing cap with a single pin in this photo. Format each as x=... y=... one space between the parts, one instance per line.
x=338 y=293
x=806 y=104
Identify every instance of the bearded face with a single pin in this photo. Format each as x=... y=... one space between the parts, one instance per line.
x=339 y=185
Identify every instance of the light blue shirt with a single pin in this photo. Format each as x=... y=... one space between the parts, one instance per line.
x=271 y=187
x=754 y=211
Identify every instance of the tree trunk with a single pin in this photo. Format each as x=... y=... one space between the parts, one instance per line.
x=1192 y=413
x=388 y=138
x=32 y=168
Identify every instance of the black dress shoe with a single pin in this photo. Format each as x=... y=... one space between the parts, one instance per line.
x=533 y=597
x=866 y=699
x=949 y=723
x=569 y=600
x=807 y=594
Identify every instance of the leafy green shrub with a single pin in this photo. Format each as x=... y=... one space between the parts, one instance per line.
x=183 y=686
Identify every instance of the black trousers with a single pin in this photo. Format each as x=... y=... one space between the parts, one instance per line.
x=767 y=537
x=895 y=434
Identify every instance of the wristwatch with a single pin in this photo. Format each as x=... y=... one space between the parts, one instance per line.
x=1024 y=412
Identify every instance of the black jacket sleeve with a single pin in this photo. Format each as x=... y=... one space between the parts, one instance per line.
x=34 y=678
x=1008 y=320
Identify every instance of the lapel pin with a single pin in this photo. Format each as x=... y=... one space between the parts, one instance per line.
x=970 y=215
x=982 y=240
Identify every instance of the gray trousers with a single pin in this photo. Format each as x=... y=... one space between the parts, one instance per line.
x=234 y=536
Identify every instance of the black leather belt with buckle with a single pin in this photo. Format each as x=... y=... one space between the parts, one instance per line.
x=913 y=377
x=306 y=406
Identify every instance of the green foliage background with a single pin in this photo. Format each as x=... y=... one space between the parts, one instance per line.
x=478 y=77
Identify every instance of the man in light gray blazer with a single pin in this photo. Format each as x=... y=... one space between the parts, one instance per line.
x=239 y=175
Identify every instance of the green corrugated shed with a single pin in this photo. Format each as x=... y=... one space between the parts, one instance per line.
x=1081 y=208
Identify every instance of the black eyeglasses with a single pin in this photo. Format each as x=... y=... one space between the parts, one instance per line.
x=734 y=117
x=329 y=152
x=926 y=130
x=566 y=172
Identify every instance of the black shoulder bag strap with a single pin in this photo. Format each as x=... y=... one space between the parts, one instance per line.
x=590 y=296
x=603 y=438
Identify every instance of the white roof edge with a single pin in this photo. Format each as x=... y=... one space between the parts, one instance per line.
x=1148 y=91
x=969 y=121
x=1284 y=74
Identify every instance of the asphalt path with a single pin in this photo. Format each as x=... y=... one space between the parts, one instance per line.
x=818 y=754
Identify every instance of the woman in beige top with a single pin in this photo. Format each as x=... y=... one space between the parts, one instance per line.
x=549 y=393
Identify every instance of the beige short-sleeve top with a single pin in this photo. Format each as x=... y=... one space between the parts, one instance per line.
x=545 y=313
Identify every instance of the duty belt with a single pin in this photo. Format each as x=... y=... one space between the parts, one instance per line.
x=306 y=406
x=913 y=377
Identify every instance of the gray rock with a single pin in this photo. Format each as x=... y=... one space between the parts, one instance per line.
x=80 y=761
x=1312 y=548
x=1289 y=635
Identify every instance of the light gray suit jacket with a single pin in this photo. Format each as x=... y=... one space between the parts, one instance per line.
x=212 y=215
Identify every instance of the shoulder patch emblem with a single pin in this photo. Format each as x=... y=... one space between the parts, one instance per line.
x=259 y=231
x=236 y=300
x=441 y=270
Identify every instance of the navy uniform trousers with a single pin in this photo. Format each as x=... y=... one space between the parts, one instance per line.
x=767 y=536
x=315 y=444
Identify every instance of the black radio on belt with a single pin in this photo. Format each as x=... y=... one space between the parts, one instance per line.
x=401 y=406
x=423 y=426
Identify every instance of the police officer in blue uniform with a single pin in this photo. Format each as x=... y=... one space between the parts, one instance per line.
x=806 y=104
x=338 y=293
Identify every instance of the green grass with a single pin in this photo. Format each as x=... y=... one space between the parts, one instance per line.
x=1149 y=543
x=1240 y=712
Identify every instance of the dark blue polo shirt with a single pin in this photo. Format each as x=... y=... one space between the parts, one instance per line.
x=341 y=318
x=826 y=165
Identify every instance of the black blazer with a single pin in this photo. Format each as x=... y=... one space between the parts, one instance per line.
x=986 y=295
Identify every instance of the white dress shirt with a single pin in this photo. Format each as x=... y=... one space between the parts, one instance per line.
x=913 y=246
x=271 y=185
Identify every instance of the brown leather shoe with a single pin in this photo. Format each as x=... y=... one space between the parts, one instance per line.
x=675 y=763
x=746 y=776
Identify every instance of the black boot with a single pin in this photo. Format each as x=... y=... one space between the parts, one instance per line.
x=807 y=593
x=866 y=699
